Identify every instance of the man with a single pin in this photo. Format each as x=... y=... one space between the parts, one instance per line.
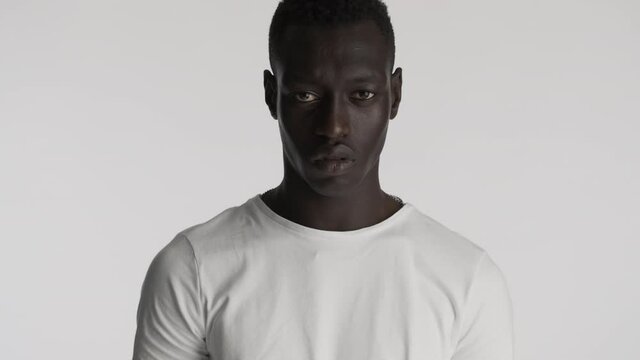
x=326 y=266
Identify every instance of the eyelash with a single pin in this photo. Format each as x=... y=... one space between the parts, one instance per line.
x=372 y=94
x=367 y=91
x=301 y=93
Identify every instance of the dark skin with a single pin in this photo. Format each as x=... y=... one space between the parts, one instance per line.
x=332 y=85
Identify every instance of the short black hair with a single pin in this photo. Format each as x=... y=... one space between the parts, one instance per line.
x=328 y=12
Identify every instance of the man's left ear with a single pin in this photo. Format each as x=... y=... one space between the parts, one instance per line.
x=396 y=92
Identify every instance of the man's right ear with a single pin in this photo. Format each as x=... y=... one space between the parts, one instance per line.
x=271 y=93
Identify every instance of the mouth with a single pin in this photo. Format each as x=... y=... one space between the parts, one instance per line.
x=334 y=159
x=334 y=165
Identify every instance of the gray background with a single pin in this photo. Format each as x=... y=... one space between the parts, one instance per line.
x=124 y=122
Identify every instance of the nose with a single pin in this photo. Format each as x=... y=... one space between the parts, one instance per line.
x=333 y=120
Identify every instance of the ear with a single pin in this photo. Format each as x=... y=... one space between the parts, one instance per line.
x=271 y=93
x=396 y=92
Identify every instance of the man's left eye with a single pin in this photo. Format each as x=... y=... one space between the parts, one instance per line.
x=364 y=95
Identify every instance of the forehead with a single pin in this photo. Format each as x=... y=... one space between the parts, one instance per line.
x=312 y=51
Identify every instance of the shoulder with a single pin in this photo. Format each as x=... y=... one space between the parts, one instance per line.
x=218 y=233
x=443 y=245
x=186 y=247
x=454 y=261
x=175 y=260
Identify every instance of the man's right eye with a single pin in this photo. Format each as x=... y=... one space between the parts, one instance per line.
x=305 y=96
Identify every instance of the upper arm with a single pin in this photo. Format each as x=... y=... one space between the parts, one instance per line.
x=487 y=320
x=170 y=321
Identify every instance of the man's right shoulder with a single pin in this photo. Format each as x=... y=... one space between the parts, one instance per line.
x=218 y=232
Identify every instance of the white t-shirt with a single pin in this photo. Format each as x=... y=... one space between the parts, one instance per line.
x=252 y=285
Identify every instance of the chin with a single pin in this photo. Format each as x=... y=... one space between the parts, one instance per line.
x=332 y=185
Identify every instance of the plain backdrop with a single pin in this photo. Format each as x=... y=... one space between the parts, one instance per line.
x=124 y=122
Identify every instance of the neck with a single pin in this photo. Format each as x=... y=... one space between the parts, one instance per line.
x=343 y=209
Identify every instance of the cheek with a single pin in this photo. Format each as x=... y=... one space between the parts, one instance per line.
x=287 y=134
x=293 y=142
x=369 y=131
x=370 y=120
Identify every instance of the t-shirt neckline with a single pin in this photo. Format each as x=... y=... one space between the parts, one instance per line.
x=327 y=235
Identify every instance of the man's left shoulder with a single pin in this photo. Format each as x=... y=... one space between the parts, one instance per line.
x=443 y=247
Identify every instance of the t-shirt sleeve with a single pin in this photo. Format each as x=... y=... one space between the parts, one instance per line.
x=487 y=318
x=170 y=321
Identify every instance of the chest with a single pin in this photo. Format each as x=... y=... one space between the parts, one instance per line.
x=320 y=306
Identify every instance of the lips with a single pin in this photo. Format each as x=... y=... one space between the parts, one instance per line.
x=332 y=153
x=334 y=167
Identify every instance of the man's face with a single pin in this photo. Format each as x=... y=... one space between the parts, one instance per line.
x=333 y=89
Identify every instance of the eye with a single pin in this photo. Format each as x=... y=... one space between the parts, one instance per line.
x=364 y=94
x=305 y=96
